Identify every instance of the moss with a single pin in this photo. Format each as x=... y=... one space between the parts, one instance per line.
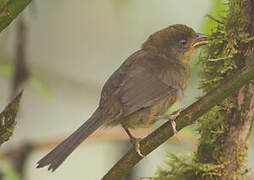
x=182 y=169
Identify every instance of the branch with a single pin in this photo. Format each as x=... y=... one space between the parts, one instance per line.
x=187 y=117
x=9 y=10
x=21 y=73
x=115 y=134
x=7 y=119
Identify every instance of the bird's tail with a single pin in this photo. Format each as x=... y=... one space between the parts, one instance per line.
x=55 y=157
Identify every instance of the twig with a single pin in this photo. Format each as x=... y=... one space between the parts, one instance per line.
x=116 y=134
x=21 y=73
x=214 y=19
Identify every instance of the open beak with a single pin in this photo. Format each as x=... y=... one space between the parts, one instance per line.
x=200 y=40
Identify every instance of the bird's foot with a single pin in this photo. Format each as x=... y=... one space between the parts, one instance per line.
x=171 y=117
x=135 y=142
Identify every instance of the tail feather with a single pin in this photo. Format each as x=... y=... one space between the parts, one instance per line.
x=56 y=157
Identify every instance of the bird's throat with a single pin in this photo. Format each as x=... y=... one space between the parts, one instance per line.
x=186 y=57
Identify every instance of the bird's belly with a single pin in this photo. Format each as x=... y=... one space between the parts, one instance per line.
x=147 y=116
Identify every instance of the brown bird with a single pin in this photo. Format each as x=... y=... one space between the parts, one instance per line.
x=141 y=90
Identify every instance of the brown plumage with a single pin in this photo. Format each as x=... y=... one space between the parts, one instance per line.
x=140 y=90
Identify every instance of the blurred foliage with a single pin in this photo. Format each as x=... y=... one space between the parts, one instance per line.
x=6 y=170
x=217 y=10
x=36 y=81
x=219 y=60
x=39 y=83
x=6 y=69
x=121 y=2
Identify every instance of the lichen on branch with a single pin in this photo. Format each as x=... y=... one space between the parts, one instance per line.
x=8 y=119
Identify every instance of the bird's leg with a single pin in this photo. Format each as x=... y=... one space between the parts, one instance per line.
x=134 y=141
x=171 y=117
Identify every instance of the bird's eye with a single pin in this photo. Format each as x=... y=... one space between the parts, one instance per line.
x=183 y=42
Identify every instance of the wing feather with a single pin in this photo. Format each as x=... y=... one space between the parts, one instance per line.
x=142 y=90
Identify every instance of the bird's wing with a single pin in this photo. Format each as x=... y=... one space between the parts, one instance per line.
x=141 y=90
x=134 y=85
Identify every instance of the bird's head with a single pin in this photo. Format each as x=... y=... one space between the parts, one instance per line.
x=176 y=42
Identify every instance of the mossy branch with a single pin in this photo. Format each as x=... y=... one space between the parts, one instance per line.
x=187 y=117
x=9 y=10
x=7 y=119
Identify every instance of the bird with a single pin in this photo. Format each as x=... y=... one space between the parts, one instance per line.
x=140 y=91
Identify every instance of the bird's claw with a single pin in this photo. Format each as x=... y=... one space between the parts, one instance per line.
x=173 y=124
x=171 y=117
x=136 y=144
x=175 y=114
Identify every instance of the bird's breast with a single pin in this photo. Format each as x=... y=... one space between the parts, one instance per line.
x=175 y=76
